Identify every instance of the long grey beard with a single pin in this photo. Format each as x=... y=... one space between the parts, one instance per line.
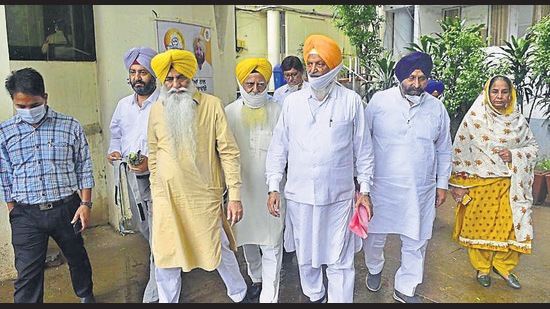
x=179 y=116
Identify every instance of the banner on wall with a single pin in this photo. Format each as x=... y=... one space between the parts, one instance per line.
x=194 y=38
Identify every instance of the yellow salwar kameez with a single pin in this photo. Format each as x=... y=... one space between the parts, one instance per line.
x=496 y=224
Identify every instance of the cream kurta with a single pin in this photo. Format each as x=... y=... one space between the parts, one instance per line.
x=257 y=226
x=188 y=197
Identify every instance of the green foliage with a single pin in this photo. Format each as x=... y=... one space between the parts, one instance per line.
x=540 y=34
x=516 y=57
x=460 y=62
x=381 y=76
x=543 y=165
x=361 y=24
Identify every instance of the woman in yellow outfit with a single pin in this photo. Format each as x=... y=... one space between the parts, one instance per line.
x=494 y=153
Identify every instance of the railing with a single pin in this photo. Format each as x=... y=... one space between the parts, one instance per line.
x=355 y=78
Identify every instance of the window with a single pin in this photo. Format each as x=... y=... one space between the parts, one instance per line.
x=452 y=13
x=51 y=32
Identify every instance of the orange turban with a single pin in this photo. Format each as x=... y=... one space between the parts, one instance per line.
x=326 y=47
x=245 y=67
x=183 y=61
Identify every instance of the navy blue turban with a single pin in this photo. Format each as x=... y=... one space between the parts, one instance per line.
x=434 y=85
x=411 y=62
x=141 y=55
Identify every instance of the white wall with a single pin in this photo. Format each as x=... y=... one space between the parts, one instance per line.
x=90 y=90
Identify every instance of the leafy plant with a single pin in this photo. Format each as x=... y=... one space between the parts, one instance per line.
x=361 y=24
x=543 y=165
x=517 y=57
x=381 y=76
x=540 y=33
x=460 y=62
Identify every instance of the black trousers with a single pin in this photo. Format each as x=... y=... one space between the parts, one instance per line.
x=31 y=230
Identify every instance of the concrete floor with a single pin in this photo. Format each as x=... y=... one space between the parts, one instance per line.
x=120 y=271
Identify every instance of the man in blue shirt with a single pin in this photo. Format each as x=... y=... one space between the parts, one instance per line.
x=44 y=161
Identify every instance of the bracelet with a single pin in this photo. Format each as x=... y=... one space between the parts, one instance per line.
x=268 y=193
x=89 y=204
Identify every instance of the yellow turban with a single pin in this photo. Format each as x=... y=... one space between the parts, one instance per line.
x=183 y=61
x=245 y=67
x=326 y=47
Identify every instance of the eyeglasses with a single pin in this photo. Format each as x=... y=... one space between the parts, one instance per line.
x=291 y=75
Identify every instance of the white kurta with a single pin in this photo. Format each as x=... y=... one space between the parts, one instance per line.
x=324 y=144
x=282 y=92
x=412 y=152
x=257 y=226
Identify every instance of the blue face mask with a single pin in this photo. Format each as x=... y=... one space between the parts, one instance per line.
x=33 y=115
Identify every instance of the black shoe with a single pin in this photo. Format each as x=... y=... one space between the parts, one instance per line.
x=374 y=282
x=484 y=280
x=88 y=299
x=254 y=290
x=512 y=280
x=402 y=298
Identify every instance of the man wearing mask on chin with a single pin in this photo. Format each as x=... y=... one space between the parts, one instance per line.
x=323 y=137
x=412 y=159
x=46 y=180
x=293 y=73
x=252 y=119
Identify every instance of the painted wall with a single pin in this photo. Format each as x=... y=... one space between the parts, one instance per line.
x=90 y=90
x=252 y=28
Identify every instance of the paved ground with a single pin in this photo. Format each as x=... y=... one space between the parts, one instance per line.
x=120 y=271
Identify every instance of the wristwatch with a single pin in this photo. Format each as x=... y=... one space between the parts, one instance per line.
x=89 y=204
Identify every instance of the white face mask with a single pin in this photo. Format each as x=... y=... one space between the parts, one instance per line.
x=415 y=99
x=322 y=82
x=253 y=100
x=292 y=88
x=33 y=115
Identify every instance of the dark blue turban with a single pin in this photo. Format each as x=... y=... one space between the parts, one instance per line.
x=411 y=62
x=434 y=85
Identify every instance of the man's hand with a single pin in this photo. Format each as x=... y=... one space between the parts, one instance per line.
x=84 y=213
x=10 y=206
x=440 y=197
x=234 y=212
x=365 y=200
x=274 y=203
x=140 y=168
x=115 y=155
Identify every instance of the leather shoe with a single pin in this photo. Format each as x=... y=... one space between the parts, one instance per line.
x=88 y=299
x=254 y=290
x=512 y=280
x=484 y=280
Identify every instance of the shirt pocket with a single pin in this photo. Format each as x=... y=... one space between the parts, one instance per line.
x=263 y=139
x=340 y=133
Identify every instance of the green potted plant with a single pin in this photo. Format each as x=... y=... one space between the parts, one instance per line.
x=541 y=182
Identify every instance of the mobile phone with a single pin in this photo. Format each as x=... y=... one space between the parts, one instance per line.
x=466 y=199
x=77 y=226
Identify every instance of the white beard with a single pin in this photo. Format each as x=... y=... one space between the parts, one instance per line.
x=179 y=117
